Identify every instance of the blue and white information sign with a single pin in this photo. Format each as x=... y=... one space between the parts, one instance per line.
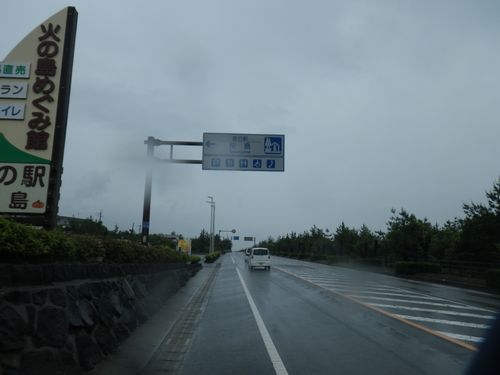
x=244 y=152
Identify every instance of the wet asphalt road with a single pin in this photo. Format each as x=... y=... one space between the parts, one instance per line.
x=331 y=320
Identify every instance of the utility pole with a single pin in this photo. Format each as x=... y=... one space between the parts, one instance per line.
x=212 y=223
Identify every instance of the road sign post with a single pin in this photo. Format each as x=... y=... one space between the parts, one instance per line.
x=221 y=151
x=146 y=211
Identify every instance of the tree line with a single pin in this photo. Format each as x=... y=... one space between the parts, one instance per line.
x=475 y=237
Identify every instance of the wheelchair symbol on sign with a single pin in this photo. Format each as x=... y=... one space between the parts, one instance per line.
x=271 y=164
x=257 y=163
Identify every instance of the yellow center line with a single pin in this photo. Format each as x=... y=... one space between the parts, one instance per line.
x=385 y=313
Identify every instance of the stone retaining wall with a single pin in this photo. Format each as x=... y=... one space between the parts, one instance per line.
x=71 y=323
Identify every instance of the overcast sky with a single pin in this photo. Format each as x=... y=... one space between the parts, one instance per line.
x=383 y=104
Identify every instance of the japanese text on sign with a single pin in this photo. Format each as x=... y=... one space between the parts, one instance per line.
x=24 y=187
x=46 y=69
x=12 y=111
x=12 y=90
x=243 y=152
x=11 y=70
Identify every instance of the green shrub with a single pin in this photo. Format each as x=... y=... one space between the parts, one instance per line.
x=412 y=268
x=492 y=278
x=195 y=259
x=24 y=243
x=331 y=259
x=20 y=242
x=61 y=246
x=88 y=248
x=212 y=257
x=318 y=257
x=120 y=251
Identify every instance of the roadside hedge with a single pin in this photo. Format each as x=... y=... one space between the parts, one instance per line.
x=212 y=257
x=195 y=259
x=492 y=278
x=315 y=257
x=21 y=243
x=412 y=268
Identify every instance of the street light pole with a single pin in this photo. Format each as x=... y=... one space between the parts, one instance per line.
x=212 y=223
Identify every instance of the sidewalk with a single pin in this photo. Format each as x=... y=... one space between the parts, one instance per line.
x=135 y=352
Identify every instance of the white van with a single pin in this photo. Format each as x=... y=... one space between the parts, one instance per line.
x=259 y=257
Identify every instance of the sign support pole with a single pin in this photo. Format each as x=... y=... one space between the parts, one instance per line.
x=61 y=120
x=151 y=142
x=147 y=191
x=249 y=152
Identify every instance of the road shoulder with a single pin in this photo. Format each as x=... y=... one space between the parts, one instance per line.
x=135 y=352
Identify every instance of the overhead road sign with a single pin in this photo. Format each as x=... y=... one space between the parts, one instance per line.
x=243 y=152
x=221 y=151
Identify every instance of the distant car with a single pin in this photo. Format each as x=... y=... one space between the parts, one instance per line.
x=259 y=257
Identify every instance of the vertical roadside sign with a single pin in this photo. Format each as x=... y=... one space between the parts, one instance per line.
x=184 y=246
x=35 y=83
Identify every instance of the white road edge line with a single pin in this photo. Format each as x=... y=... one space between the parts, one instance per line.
x=232 y=259
x=462 y=337
x=278 y=364
x=445 y=312
x=443 y=321
x=418 y=302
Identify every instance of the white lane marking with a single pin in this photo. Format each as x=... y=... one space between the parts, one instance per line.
x=308 y=275
x=419 y=302
x=232 y=259
x=343 y=283
x=399 y=295
x=443 y=321
x=335 y=281
x=354 y=289
x=278 y=364
x=326 y=280
x=445 y=312
x=372 y=289
x=329 y=282
x=358 y=291
x=412 y=293
x=462 y=337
